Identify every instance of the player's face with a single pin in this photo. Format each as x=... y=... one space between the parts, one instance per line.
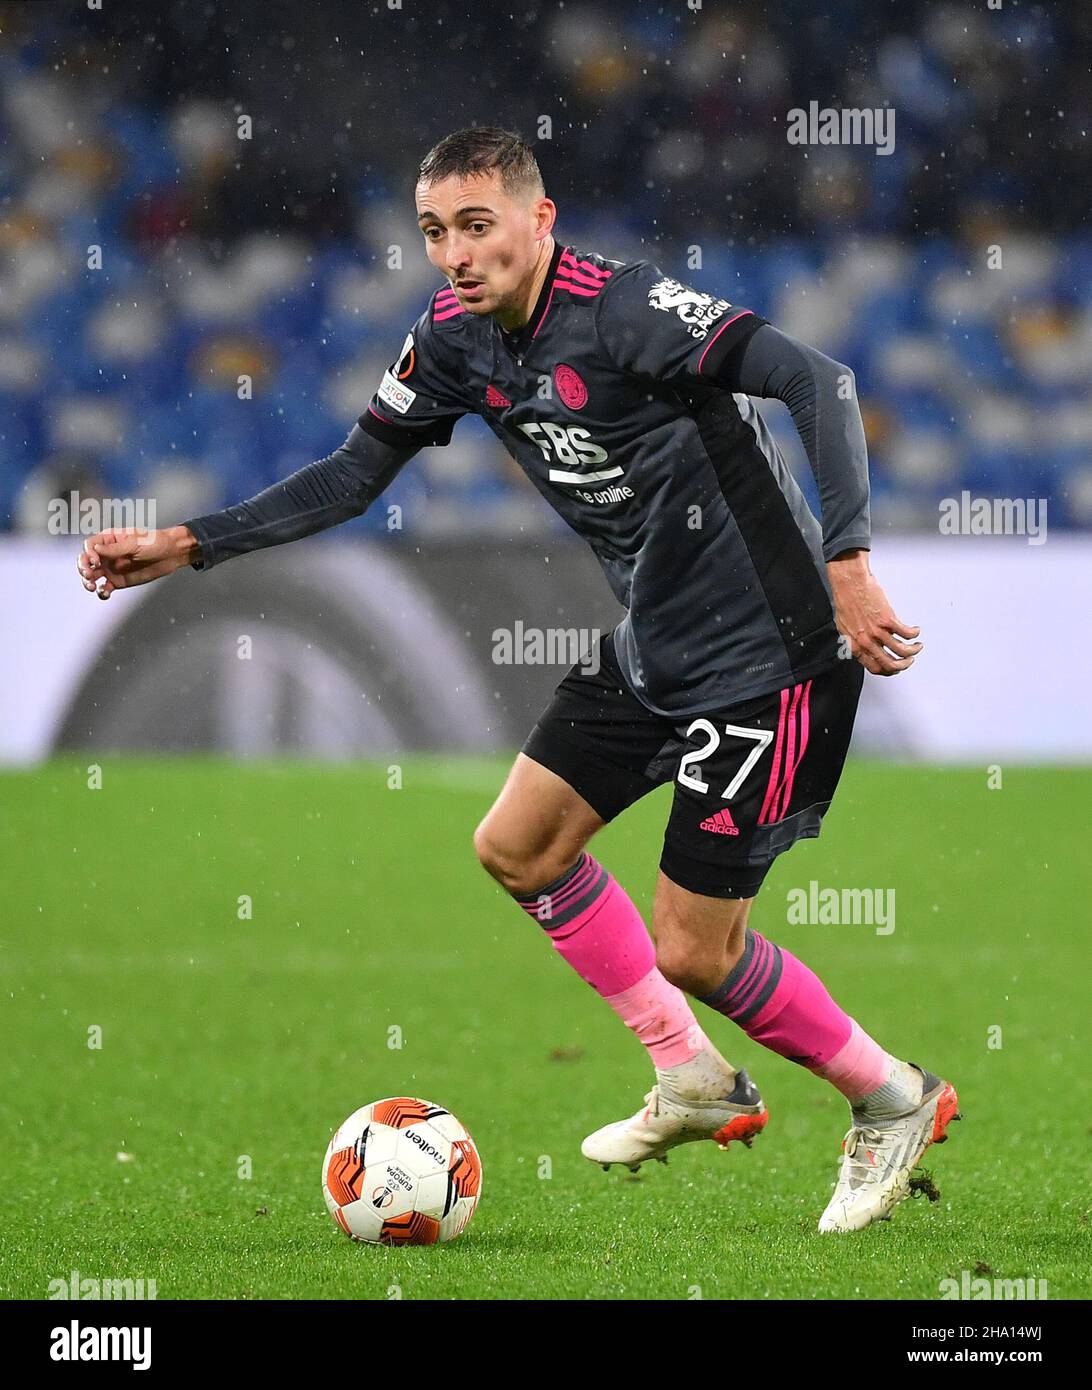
x=486 y=243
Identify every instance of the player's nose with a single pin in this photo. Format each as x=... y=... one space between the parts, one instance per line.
x=458 y=259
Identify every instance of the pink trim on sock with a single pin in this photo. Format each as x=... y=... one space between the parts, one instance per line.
x=607 y=944
x=660 y=1016
x=578 y=884
x=800 y=1020
x=859 y=1068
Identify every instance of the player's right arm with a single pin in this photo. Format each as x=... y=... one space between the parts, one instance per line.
x=416 y=405
x=323 y=494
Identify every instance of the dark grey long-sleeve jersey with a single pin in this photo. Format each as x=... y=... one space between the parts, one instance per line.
x=625 y=398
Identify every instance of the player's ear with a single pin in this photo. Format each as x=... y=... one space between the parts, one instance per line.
x=545 y=211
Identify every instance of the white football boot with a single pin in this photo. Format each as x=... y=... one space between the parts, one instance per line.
x=704 y=1098
x=878 y=1156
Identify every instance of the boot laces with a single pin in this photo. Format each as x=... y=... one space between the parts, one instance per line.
x=861 y=1137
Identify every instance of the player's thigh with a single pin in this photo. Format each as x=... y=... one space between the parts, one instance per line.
x=535 y=829
x=600 y=739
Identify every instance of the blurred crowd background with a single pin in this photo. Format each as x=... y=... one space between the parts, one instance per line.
x=271 y=256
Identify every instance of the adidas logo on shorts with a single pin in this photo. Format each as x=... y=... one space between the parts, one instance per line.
x=720 y=823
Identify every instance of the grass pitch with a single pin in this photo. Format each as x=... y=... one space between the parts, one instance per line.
x=231 y=1044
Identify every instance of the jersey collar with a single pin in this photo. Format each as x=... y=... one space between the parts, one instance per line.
x=518 y=340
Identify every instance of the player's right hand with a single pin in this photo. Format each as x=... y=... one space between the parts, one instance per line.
x=122 y=557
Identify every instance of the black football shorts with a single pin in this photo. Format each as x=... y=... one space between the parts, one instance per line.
x=750 y=780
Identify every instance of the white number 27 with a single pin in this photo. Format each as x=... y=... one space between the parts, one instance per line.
x=761 y=738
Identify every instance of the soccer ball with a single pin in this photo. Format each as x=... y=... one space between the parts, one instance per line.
x=402 y=1171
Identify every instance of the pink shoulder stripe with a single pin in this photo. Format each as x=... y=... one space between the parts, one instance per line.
x=560 y=284
x=446 y=305
x=579 y=277
x=567 y=258
x=735 y=317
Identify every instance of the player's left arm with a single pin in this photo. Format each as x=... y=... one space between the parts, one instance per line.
x=654 y=327
x=821 y=395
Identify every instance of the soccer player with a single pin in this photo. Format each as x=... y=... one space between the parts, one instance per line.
x=732 y=675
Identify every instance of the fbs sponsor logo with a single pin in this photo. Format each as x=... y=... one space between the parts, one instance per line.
x=573 y=446
x=698 y=311
x=720 y=823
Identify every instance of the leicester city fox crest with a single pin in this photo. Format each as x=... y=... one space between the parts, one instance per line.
x=698 y=311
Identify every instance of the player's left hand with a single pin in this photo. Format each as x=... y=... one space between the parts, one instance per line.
x=866 y=619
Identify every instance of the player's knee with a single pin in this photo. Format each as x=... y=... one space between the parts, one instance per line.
x=491 y=853
x=518 y=868
x=683 y=956
x=695 y=956
x=685 y=965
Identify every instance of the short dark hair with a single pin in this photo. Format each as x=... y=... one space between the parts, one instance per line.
x=477 y=149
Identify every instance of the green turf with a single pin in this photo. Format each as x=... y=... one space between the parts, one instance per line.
x=224 y=1038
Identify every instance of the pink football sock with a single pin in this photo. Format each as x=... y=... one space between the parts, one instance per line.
x=783 y=1005
x=859 y=1068
x=660 y=1016
x=594 y=925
